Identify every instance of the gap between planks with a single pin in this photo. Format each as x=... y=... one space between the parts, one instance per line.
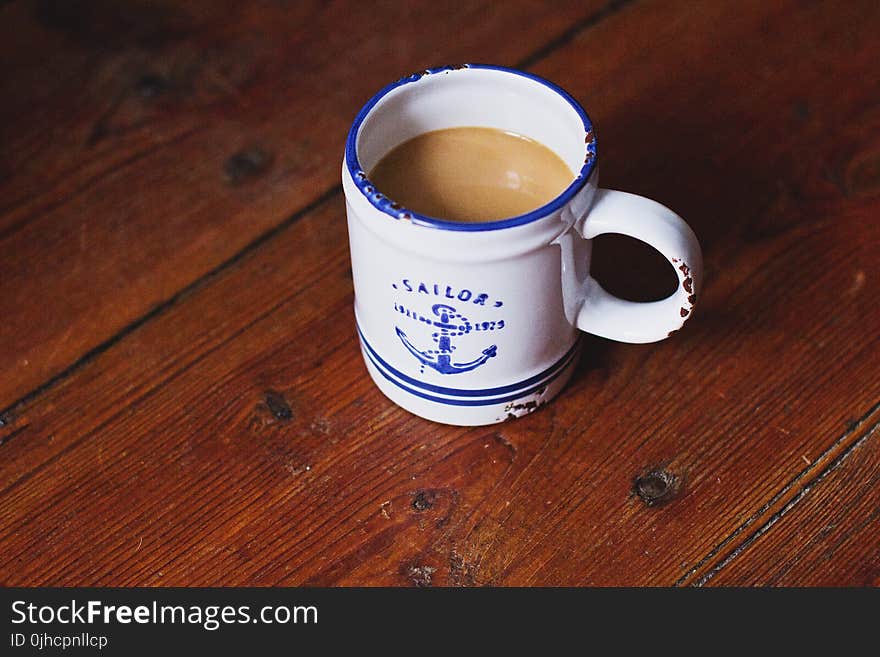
x=787 y=498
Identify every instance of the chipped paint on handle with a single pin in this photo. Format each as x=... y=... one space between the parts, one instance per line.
x=643 y=219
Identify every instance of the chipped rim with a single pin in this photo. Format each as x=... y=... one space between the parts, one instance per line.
x=395 y=210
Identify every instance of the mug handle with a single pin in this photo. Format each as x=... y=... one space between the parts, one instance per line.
x=608 y=316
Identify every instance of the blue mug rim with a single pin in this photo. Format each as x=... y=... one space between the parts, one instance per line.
x=396 y=211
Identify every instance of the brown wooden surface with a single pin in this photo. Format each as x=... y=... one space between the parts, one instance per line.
x=185 y=402
x=127 y=129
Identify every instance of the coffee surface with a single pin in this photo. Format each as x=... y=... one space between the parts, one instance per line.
x=471 y=174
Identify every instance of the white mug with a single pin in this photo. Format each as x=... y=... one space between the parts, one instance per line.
x=476 y=323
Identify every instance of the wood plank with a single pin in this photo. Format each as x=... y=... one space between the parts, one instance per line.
x=179 y=473
x=831 y=537
x=145 y=144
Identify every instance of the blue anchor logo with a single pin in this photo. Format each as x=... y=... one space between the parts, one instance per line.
x=450 y=324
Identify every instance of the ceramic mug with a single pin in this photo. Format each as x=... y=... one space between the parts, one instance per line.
x=476 y=323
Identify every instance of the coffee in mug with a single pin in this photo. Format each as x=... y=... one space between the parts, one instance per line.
x=471 y=174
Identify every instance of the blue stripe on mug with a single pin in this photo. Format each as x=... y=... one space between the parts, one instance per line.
x=461 y=392
x=462 y=402
x=552 y=373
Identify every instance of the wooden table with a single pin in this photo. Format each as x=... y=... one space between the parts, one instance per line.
x=183 y=396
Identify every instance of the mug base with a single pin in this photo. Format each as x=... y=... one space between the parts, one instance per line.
x=473 y=412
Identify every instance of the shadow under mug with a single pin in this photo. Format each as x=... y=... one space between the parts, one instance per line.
x=476 y=323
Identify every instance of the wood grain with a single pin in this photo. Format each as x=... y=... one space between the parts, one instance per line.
x=144 y=144
x=830 y=539
x=235 y=438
